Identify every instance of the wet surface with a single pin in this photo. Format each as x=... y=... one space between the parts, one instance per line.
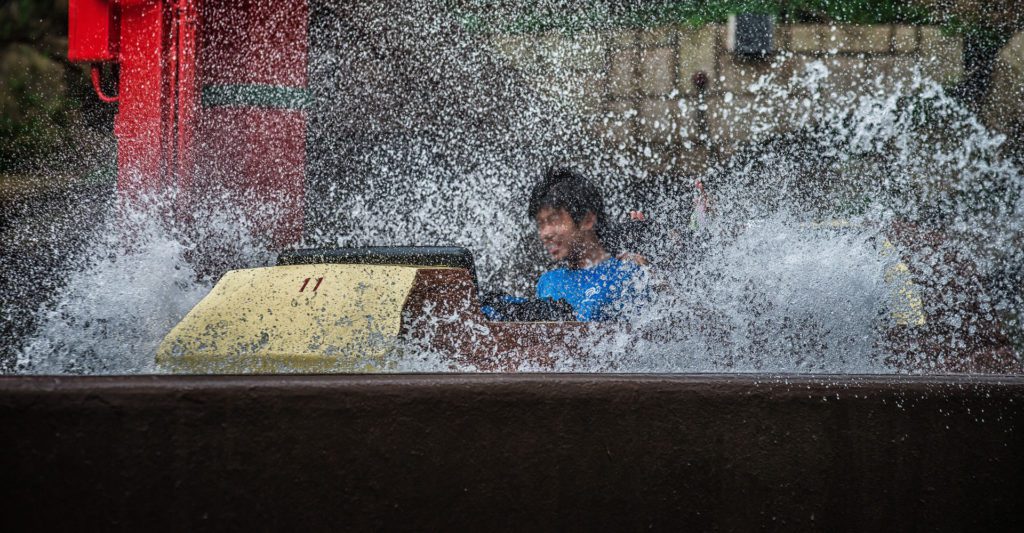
x=513 y=452
x=425 y=130
x=44 y=234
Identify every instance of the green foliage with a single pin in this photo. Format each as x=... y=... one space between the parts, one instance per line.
x=36 y=113
x=828 y=11
x=39 y=111
x=542 y=15
x=32 y=21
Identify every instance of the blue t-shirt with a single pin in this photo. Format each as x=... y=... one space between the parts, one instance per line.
x=596 y=292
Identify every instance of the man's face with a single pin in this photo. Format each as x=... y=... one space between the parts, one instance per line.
x=559 y=234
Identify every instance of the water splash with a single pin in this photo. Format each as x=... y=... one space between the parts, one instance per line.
x=424 y=133
x=777 y=290
x=139 y=277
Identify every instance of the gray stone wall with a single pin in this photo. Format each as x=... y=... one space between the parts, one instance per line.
x=642 y=90
x=1004 y=110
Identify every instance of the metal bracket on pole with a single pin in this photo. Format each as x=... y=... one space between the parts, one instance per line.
x=95 y=72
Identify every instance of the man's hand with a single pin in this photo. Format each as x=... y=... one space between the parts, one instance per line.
x=636 y=258
x=635 y=216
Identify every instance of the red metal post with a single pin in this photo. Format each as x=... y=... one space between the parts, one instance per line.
x=130 y=33
x=92 y=31
x=171 y=53
x=143 y=117
x=186 y=20
x=252 y=63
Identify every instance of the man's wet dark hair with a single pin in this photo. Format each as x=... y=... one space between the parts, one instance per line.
x=564 y=188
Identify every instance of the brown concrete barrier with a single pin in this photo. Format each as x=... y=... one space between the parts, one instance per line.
x=512 y=452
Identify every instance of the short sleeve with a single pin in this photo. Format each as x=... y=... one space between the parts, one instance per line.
x=544 y=285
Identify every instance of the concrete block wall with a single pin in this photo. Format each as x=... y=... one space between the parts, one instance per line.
x=670 y=94
x=1004 y=110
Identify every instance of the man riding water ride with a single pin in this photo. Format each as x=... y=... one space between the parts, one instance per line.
x=572 y=226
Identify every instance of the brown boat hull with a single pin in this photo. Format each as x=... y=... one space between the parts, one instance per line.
x=512 y=452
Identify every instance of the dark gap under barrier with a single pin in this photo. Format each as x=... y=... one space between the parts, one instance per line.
x=512 y=452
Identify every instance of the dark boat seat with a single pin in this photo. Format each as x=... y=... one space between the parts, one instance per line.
x=423 y=256
x=507 y=308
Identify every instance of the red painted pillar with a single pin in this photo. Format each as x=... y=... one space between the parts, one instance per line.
x=251 y=137
x=185 y=29
x=143 y=115
x=133 y=34
x=211 y=99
